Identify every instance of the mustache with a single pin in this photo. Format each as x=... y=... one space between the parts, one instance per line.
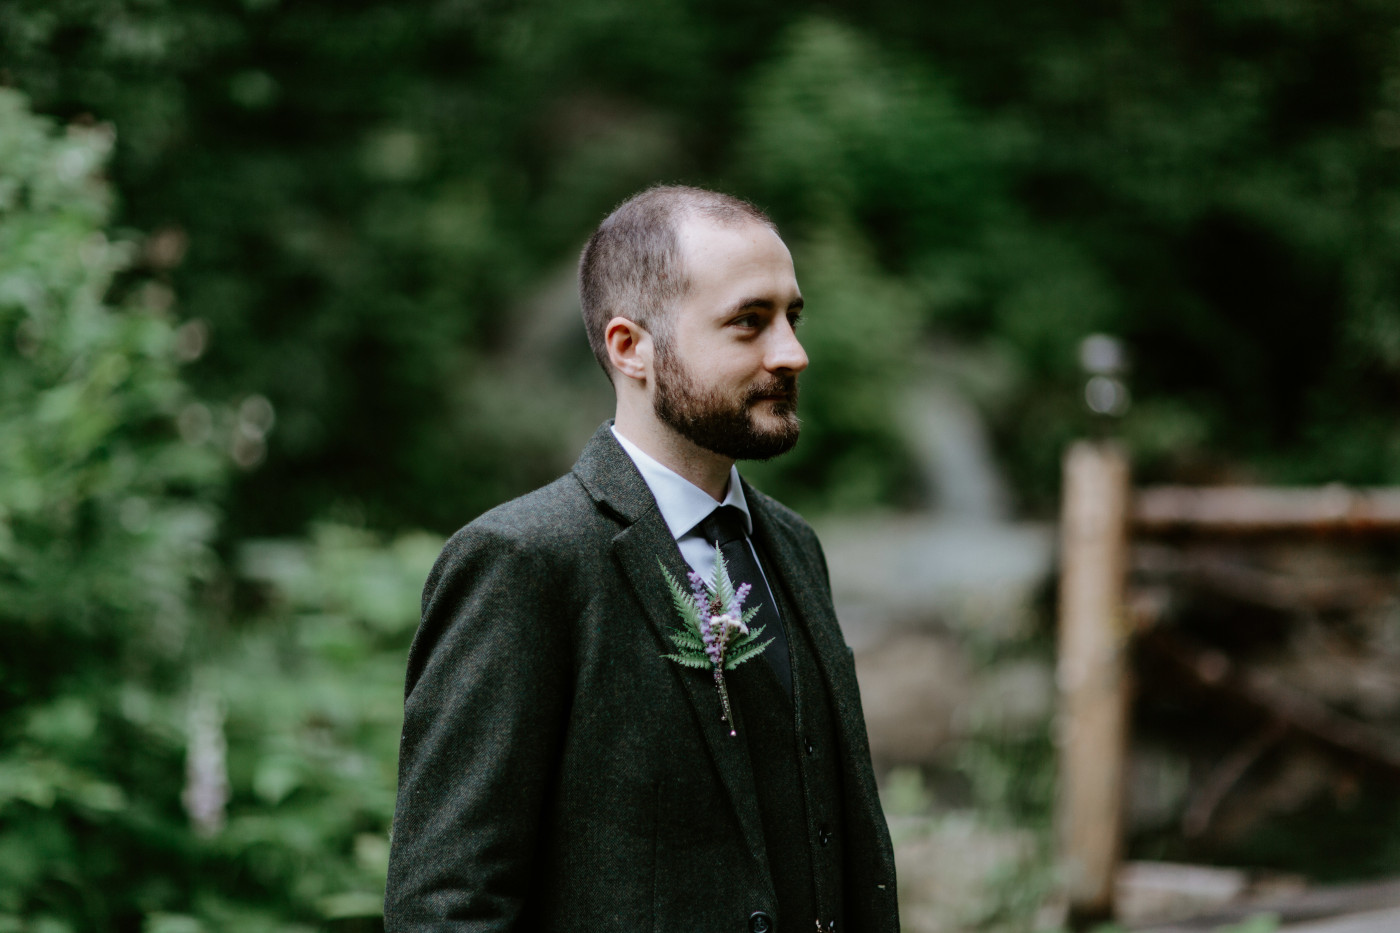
x=784 y=385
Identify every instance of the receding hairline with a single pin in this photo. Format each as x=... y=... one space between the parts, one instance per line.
x=683 y=202
x=687 y=218
x=688 y=230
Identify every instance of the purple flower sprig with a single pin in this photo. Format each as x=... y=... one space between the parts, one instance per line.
x=714 y=633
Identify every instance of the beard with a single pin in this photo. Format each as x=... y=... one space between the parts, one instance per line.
x=726 y=424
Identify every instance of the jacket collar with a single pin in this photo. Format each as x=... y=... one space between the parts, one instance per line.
x=683 y=504
x=611 y=477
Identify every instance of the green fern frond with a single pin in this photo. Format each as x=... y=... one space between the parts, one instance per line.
x=751 y=612
x=683 y=601
x=699 y=664
x=745 y=654
x=723 y=590
x=682 y=638
x=743 y=641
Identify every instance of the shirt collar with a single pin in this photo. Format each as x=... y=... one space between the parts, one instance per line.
x=683 y=504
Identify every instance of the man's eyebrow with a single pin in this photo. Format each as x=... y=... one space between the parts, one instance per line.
x=766 y=304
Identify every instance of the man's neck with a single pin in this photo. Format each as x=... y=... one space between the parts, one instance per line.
x=704 y=468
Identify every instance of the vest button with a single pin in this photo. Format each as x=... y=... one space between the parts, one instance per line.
x=760 y=921
x=824 y=835
x=811 y=749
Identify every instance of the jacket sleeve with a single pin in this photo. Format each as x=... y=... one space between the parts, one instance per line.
x=485 y=702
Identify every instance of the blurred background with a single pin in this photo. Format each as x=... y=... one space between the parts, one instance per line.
x=287 y=295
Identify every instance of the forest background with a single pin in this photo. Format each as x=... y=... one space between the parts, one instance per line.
x=286 y=296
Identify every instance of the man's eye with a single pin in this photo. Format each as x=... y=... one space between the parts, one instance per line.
x=795 y=320
x=748 y=320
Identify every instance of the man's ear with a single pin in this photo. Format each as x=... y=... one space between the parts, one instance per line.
x=629 y=348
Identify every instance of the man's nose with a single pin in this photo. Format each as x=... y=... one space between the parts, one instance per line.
x=784 y=349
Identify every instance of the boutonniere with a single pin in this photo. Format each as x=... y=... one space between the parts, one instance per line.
x=714 y=633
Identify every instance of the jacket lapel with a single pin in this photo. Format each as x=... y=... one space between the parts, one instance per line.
x=642 y=548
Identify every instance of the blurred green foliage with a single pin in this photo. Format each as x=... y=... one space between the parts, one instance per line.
x=382 y=202
x=105 y=532
x=174 y=755
x=313 y=688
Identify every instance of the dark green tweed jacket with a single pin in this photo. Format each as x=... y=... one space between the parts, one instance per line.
x=556 y=773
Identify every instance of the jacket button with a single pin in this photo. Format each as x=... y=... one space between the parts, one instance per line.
x=760 y=921
x=811 y=749
x=824 y=836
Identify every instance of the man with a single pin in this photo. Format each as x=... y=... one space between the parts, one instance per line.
x=557 y=771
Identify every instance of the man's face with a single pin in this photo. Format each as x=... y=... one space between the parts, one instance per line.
x=726 y=373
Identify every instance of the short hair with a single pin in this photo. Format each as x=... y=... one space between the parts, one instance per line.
x=632 y=265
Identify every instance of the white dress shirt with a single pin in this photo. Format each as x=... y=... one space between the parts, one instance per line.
x=685 y=505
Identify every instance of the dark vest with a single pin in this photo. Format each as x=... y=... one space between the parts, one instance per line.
x=792 y=748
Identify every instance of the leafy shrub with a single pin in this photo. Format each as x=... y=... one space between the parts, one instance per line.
x=173 y=757
x=105 y=530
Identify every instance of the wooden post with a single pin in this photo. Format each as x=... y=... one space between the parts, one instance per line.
x=1092 y=675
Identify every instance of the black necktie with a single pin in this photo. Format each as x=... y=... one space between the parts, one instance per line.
x=726 y=525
